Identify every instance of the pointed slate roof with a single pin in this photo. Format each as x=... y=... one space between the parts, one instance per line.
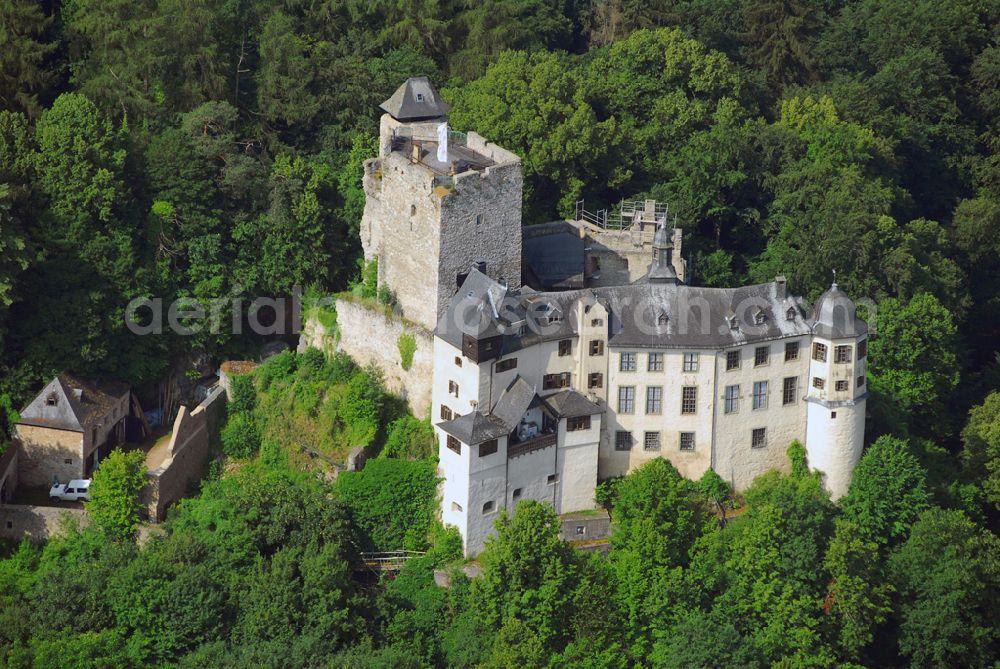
x=68 y=403
x=414 y=100
x=835 y=315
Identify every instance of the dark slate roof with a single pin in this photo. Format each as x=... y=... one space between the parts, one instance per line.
x=571 y=404
x=516 y=399
x=555 y=260
x=78 y=403
x=695 y=316
x=835 y=315
x=414 y=100
x=474 y=428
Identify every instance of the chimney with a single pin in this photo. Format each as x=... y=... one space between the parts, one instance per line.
x=781 y=284
x=415 y=155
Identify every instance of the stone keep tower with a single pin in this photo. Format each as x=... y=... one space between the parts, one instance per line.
x=837 y=392
x=437 y=202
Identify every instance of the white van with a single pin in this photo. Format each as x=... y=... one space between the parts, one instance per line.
x=74 y=491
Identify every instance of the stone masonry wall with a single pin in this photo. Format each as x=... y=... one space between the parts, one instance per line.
x=371 y=337
x=8 y=474
x=44 y=454
x=38 y=523
x=188 y=449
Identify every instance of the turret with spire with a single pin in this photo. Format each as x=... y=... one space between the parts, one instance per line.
x=661 y=270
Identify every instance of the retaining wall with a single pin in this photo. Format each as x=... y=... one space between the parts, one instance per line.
x=186 y=455
x=38 y=523
x=371 y=337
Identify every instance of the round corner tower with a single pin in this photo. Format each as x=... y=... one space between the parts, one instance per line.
x=438 y=202
x=837 y=390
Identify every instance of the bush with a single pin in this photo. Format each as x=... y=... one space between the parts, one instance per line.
x=361 y=408
x=114 y=504
x=407 y=346
x=392 y=501
x=409 y=438
x=276 y=367
x=244 y=394
x=241 y=436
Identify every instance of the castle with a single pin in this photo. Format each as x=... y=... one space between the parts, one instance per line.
x=572 y=352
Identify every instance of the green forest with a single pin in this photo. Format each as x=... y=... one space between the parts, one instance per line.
x=206 y=149
x=263 y=566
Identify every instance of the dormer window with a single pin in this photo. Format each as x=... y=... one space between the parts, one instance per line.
x=734 y=323
x=662 y=319
x=52 y=400
x=790 y=314
x=420 y=97
x=758 y=316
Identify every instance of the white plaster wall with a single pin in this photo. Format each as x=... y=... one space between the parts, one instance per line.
x=577 y=466
x=453 y=468
x=670 y=423
x=834 y=445
x=469 y=376
x=736 y=461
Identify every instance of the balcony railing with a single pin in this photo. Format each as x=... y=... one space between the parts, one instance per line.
x=533 y=444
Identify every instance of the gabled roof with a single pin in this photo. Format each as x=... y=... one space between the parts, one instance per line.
x=69 y=403
x=516 y=399
x=415 y=100
x=474 y=428
x=571 y=404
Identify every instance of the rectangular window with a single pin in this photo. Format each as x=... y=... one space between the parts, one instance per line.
x=819 y=352
x=458 y=361
x=841 y=386
x=565 y=346
x=842 y=354
x=552 y=478
x=687 y=441
x=596 y=347
x=654 y=362
x=788 y=390
x=761 y=355
x=760 y=395
x=791 y=351
x=862 y=349
x=651 y=441
x=596 y=322
x=446 y=413
x=861 y=381
x=654 y=399
x=690 y=362
x=453 y=388
x=487 y=448
x=732 y=404
x=506 y=365
x=732 y=360
x=577 y=423
x=689 y=399
x=759 y=437
x=595 y=380
x=554 y=381
x=627 y=362
x=626 y=399
x=454 y=444
x=818 y=383
x=623 y=440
